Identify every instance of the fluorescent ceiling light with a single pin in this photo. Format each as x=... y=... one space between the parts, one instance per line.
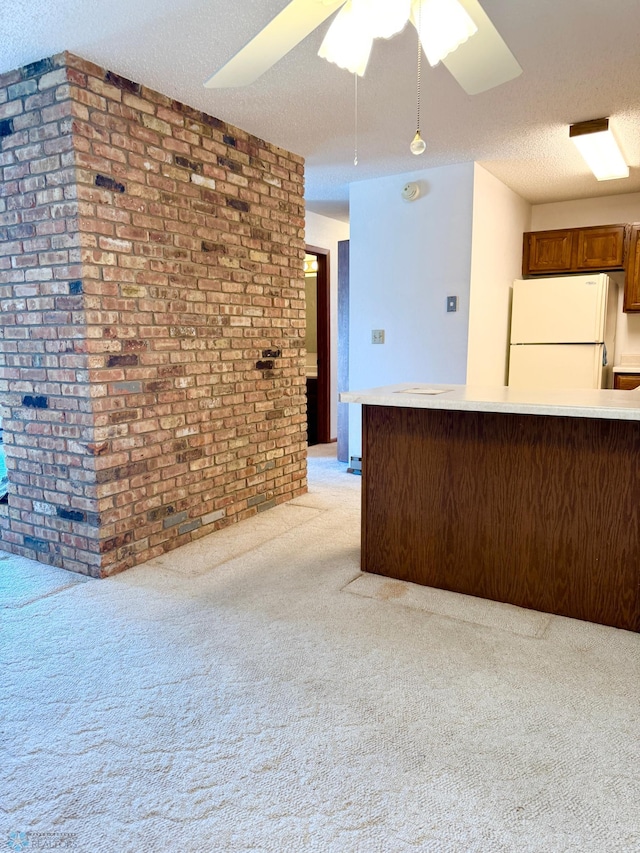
x=597 y=144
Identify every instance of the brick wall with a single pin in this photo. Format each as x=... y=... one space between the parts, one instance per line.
x=152 y=304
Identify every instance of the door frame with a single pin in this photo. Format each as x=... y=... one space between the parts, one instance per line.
x=343 y=348
x=324 y=343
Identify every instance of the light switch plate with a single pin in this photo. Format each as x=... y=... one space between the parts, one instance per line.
x=377 y=336
x=452 y=303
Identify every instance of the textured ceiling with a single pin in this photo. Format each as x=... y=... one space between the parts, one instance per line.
x=580 y=60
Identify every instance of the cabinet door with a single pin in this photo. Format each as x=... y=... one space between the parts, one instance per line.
x=600 y=248
x=632 y=279
x=626 y=381
x=547 y=251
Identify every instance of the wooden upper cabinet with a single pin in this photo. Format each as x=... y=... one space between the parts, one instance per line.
x=600 y=248
x=632 y=279
x=574 y=250
x=547 y=252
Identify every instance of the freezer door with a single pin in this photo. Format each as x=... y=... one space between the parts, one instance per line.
x=547 y=367
x=570 y=309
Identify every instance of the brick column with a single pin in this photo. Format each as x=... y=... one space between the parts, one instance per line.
x=153 y=314
x=44 y=381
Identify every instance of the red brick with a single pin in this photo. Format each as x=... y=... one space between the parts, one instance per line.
x=191 y=409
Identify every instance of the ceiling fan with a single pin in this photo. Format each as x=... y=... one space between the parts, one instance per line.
x=456 y=32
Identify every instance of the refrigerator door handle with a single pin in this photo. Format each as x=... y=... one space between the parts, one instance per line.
x=605 y=361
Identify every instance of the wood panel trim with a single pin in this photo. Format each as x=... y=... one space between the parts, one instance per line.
x=540 y=512
x=324 y=342
x=632 y=278
x=343 y=348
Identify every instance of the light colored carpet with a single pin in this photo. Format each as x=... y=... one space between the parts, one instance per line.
x=23 y=581
x=480 y=611
x=254 y=692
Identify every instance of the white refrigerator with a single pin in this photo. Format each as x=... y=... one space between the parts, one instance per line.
x=563 y=332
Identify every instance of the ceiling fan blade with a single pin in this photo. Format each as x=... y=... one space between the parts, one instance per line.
x=284 y=32
x=484 y=61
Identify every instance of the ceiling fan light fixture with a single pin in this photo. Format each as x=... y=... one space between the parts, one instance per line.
x=348 y=41
x=598 y=146
x=310 y=265
x=386 y=17
x=443 y=25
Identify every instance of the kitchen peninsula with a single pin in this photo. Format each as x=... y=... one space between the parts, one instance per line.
x=529 y=498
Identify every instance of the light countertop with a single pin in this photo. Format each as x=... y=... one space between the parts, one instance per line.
x=626 y=368
x=596 y=403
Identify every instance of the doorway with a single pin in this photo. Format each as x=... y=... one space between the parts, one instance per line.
x=317 y=341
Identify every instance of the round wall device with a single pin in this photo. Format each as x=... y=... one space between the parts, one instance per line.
x=410 y=192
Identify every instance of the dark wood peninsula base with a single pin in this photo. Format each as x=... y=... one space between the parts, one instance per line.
x=537 y=511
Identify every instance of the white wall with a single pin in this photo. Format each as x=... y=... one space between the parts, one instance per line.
x=607 y=210
x=405 y=259
x=325 y=233
x=499 y=219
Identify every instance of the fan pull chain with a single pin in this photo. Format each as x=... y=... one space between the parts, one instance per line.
x=418 y=145
x=355 y=140
x=419 y=82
